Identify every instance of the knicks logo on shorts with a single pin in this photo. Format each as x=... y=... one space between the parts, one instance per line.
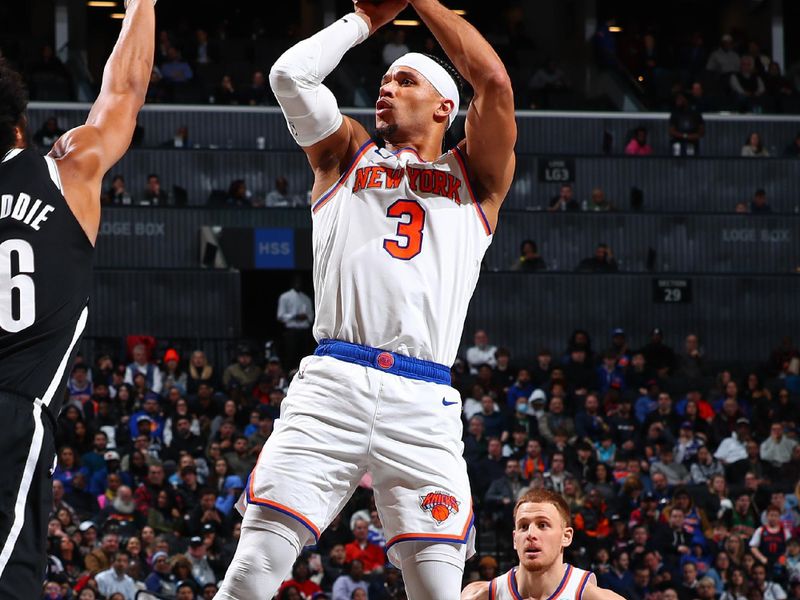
x=440 y=504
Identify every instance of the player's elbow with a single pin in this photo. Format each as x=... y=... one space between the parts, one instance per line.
x=292 y=71
x=282 y=78
x=498 y=81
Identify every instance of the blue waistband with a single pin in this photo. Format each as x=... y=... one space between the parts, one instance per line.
x=396 y=364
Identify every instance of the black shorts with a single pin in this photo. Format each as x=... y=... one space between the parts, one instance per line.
x=27 y=452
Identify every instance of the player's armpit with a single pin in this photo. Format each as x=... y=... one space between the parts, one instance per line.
x=594 y=592
x=477 y=590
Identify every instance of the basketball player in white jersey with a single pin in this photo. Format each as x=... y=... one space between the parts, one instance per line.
x=399 y=232
x=541 y=532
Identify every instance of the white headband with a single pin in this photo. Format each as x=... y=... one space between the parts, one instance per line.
x=435 y=73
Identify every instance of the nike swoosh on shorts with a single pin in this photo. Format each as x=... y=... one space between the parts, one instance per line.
x=446 y=403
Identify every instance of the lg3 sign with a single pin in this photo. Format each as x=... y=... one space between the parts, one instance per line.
x=556 y=170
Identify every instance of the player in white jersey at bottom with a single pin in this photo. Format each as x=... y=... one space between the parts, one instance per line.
x=541 y=532
x=399 y=233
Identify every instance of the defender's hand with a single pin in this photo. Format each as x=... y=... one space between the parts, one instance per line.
x=378 y=14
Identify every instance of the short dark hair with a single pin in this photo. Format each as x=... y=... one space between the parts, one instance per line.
x=527 y=242
x=13 y=103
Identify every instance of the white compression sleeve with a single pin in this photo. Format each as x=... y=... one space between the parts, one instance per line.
x=310 y=108
x=432 y=571
x=269 y=545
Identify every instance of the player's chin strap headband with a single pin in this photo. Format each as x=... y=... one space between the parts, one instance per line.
x=435 y=73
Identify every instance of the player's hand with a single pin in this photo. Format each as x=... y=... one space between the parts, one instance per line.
x=378 y=14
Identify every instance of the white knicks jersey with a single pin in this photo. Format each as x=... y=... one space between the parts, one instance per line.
x=571 y=587
x=398 y=245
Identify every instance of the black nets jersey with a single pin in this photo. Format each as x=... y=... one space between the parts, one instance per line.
x=45 y=277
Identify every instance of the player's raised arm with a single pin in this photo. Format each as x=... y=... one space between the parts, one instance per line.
x=85 y=153
x=311 y=111
x=491 y=131
x=477 y=590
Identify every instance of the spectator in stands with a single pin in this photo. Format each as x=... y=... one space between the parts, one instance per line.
x=778 y=87
x=157 y=89
x=296 y=313
x=724 y=60
x=179 y=140
x=697 y=99
x=203 y=51
x=530 y=260
x=200 y=371
x=347 y=585
x=482 y=353
x=163 y=44
x=777 y=449
x=602 y=261
x=565 y=201
x=153 y=194
x=202 y=572
x=769 y=590
x=176 y=69
x=599 y=202
x=360 y=549
x=116 y=580
x=686 y=128
x=118 y=195
x=244 y=372
x=238 y=194
x=793 y=149
x=48 y=78
x=258 y=93
x=280 y=196
x=161 y=580
x=747 y=86
x=657 y=354
x=47 y=134
x=395 y=46
x=225 y=92
x=759 y=205
x=503 y=493
x=638 y=145
x=754 y=146
x=546 y=80
x=741 y=208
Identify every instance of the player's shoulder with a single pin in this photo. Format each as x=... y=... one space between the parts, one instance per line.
x=477 y=590
x=593 y=591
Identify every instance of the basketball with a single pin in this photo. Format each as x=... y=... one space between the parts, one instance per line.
x=440 y=513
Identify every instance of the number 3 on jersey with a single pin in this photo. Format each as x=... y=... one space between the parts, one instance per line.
x=412 y=222
x=17 y=293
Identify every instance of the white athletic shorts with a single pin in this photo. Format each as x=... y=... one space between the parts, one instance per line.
x=364 y=412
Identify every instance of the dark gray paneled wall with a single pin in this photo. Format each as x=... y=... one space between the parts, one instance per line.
x=539 y=132
x=166 y=304
x=672 y=185
x=169 y=238
x=684 y=243
x=737 y=318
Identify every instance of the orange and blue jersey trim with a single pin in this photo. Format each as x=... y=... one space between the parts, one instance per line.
x=461 y=159
x=563 y=584
x=299 y=517
x=491 y=590
x=434 y=537
x=323 y=200
x=584 y=581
